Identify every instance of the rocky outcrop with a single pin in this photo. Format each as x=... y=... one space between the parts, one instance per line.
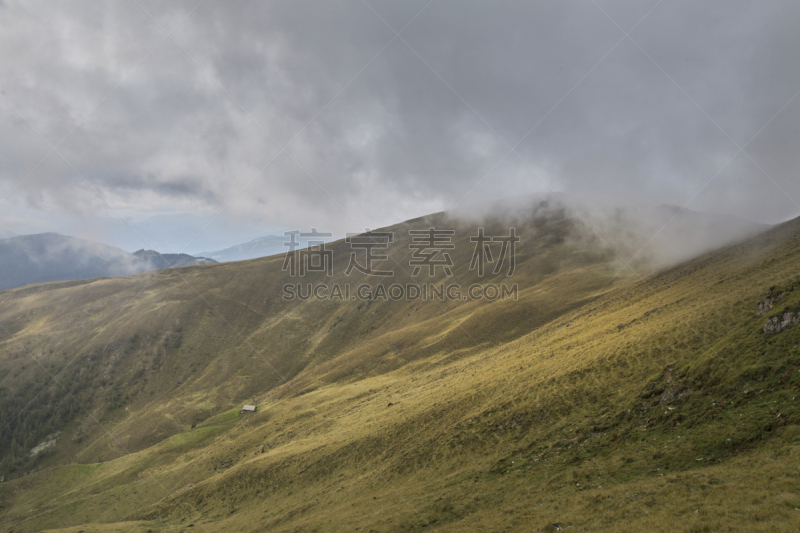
x=779 y=323
x=774 y=295
x=786 y=318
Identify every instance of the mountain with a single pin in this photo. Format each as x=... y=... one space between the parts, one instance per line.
x=601 y=397
x=158 y=261
x=47 y=257
x=52 y=257
x=685 y=233
x=173 y=233
x=260 y=247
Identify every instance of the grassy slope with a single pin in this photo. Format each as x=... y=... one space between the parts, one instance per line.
x=659 y=398
x=149 y=355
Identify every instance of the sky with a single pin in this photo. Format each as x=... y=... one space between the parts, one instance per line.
x=344 y=115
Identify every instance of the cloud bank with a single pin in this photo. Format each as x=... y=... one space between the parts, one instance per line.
x=318 y=114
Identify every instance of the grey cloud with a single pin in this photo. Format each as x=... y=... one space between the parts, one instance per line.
x=400 y=138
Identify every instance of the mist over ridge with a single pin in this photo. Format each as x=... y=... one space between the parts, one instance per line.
x=45 y=257
x=642 y=235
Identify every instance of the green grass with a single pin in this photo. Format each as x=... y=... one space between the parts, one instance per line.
x=647 y=404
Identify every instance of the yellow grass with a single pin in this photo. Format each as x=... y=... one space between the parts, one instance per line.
x=601 y=404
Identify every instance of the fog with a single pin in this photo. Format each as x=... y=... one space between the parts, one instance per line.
x=642 y=236
x=52 y=257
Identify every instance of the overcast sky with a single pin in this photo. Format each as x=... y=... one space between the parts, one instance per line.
x=301 y=114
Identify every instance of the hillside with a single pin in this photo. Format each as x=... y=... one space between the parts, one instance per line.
x=44 y=257
x=603 y=398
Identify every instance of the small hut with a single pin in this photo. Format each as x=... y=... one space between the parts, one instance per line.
x=248 y=409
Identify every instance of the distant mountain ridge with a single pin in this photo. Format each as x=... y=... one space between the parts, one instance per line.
x=48 y=257
x=260 y=247
x=159 y=260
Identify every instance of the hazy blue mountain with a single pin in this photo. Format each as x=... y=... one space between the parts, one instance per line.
x=159 y=261
x=183 y=232
x=52 y=257
x=260 y=247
